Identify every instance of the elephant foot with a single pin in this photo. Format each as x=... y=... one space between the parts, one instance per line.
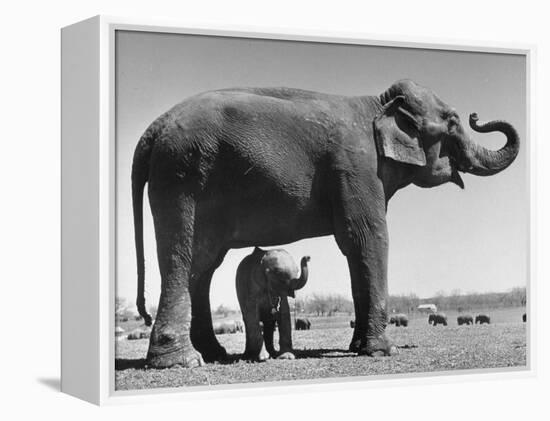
x=187 y=359
x=213 y=352
x=255 y=357
x=373 y=346
x=168 y=349
x=286 y=356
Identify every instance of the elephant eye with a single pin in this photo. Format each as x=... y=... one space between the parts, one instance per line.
x=453 y=122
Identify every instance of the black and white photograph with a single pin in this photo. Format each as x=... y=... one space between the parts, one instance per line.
x=292 y=211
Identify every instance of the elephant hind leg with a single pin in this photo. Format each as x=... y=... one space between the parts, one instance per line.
x=254 y=348
x=170 y=342
x=202 y=332
x=269 y=328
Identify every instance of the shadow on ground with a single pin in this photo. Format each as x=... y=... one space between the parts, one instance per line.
x=140 y=363
x=53 y=383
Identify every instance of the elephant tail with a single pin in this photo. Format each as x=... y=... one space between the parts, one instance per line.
x=140 y=175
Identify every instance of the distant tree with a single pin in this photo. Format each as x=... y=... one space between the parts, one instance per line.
x=120 y=305
x=318 y=304
x=222 y=310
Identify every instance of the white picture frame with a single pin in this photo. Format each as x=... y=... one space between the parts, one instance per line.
x=89 y=199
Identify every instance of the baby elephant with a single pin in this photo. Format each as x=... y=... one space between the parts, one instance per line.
x=265 y=279
x=437 y=318
x=399 y=319
x=465 y=319
x=482 y=318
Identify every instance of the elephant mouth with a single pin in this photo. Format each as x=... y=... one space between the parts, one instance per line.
x=456 y=178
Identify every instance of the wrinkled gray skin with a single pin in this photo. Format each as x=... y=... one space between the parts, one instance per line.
x=302 y=324
x=465 y=319
x=437 y=318
x=399 y=319
x=243 y=167
x=265 y=279
x=482 y=318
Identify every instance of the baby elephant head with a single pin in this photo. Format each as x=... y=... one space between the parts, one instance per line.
x=415 y=127
x=282 y=273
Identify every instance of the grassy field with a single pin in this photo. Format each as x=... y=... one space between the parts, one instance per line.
x=322 y=353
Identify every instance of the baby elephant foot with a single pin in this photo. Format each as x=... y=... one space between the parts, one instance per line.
x=256 y=357
x=264 y=355
x=286 y=356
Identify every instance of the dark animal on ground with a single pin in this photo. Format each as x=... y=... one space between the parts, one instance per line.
x=483 y=318
x=465 y=319
x=399 y=319
x=302 y=324
x=437 y=319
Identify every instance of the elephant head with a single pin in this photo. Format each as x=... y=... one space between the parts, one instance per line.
x=415 y=127
x=282 y=274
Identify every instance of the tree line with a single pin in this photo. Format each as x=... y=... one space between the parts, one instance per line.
x=331 y=304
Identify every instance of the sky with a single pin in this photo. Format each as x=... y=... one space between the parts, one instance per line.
x=441 y=239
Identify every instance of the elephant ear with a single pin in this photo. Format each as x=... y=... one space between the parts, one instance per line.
x=396 y=132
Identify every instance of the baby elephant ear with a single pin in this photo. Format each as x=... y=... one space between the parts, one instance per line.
x=396 y=134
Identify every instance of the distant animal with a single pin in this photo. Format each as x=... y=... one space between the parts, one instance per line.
x=265 y=280
x=399 y=319
x=524 y=317
x=230 y=326
x=138 y=334
x=302 y=324
x=482 y=318
x=437 y=319
x=352 y=324
x=465 y=319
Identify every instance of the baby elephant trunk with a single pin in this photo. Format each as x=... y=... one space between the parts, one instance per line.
x=300 y=282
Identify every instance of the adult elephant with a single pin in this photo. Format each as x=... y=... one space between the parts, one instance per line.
x=302 y=324
x=230 y=326
x=265 y=166
x=465 y=319
x=265 y=279
x=437 y=318
x=483 y=318
x=399 y=319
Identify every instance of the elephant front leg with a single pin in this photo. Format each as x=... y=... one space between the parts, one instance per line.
x=202 y=332
x=285 y=331
x=254 y=349
x=269 y=328
x=365 y=245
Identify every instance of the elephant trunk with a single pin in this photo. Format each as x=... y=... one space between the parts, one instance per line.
x=300 y=282
x=484 y=162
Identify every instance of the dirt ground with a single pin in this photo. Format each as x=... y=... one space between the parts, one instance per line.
x=322 y=353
